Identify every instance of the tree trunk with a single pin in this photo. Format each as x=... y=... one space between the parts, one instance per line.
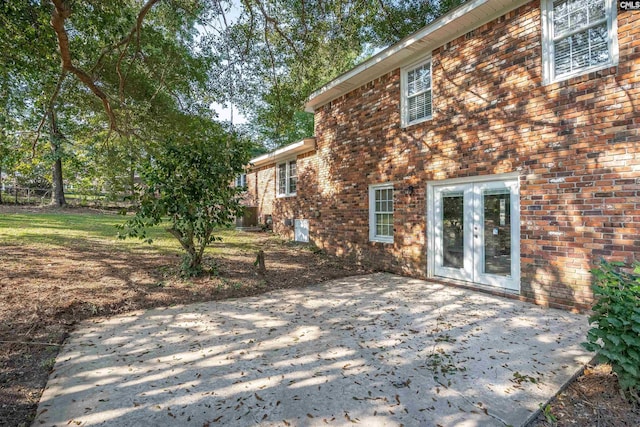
x=196 y=262
x=57 y=194
x=132 y=177
x=194 y=257
x=262 y=269
x=0 y=186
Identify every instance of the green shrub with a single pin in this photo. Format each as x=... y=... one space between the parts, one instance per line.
x=187 y=185
x=615 y=332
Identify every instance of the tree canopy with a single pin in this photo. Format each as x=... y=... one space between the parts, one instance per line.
x=99 y=83
x=98 y=78
x=279 y=51
x=122 y=60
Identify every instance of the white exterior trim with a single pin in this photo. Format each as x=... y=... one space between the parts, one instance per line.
x=515 y=218
x=373 y=237
x=404 y=112
x=285 y=153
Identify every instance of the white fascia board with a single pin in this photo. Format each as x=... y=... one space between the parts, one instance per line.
x=392 y=57
x=300 y=147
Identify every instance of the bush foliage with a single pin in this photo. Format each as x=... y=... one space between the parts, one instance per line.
x=615 y=332
x=187 y=184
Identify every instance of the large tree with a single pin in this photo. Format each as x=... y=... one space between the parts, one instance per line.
x=100 y=80
x=102 y=73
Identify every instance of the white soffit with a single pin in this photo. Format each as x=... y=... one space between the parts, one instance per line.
x=468 y=16
x=286 y=152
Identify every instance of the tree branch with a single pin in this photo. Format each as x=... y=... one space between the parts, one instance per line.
x=276 y=26
x=135 y=30
x=185 y=241
x=389 y=19
x=49 y=108
x=60 y=13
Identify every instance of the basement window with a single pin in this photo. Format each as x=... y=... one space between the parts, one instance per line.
x=579 y=36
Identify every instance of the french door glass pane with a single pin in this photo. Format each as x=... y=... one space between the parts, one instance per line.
x=453 y=229
x=497 y=231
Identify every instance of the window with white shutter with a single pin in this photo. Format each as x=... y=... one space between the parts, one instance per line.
x=580 y=36
x=416 y=93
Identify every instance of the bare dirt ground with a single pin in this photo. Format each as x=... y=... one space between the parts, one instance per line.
x=593 y=399
x=44 y=292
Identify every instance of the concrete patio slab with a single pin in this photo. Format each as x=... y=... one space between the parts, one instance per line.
x=376 y=350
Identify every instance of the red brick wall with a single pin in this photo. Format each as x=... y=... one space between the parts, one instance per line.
x=574 y=144
x=261 y=190
x=302 y=205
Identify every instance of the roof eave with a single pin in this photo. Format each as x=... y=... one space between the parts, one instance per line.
x=435 y=34
x=300 y=147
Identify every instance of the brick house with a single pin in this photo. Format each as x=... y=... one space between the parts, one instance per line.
x=272 y=188
x=497 y=148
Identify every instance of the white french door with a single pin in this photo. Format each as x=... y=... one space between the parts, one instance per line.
x=475 y=231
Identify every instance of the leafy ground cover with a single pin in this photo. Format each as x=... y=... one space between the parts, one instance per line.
x=58 y=267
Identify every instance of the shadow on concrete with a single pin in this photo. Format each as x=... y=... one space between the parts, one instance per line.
x=373 y=350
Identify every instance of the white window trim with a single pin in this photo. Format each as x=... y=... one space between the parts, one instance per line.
x=548 y=51
x=241 y=180
x=287 y=193
x=372 y=212
x=404 y=105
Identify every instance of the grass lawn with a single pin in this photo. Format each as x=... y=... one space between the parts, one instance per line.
x=63 y=229
x=58 y=267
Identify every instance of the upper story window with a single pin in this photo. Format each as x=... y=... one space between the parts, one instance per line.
x=381 y=213
x=287 y=178
x=579 y=36
x=416 y=93
x=241 y=180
